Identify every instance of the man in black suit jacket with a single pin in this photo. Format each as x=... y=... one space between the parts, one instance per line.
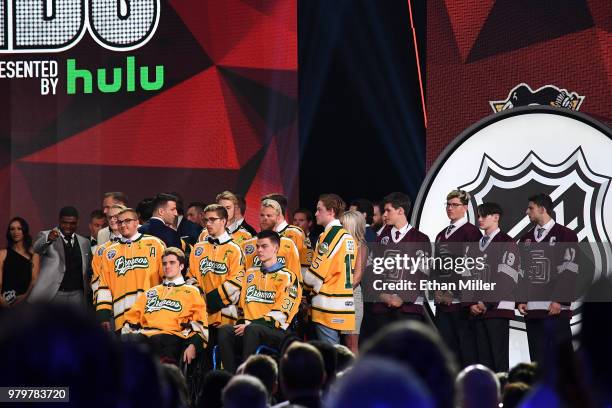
x=164 y=214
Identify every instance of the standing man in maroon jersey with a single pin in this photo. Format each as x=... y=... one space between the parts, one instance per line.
x=452 y=317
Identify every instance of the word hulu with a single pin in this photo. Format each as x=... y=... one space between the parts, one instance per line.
x=105 y=85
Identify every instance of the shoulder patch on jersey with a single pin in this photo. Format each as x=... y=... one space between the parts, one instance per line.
x=151 y=293
x=249 y=249
x=199 y=251
x=111 y=254
x=100 y=251
x=350 y=245
x=250 y=278
x=384 y=240
x=323 y=248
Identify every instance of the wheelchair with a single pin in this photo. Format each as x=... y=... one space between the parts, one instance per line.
x=194 y=372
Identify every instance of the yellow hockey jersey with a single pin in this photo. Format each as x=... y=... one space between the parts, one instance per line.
x=269 y=296
x=238 y=236
x=172 y=308
x=211 y=264
x=287 y=254
x=299 y=239
x=96 y=266
x=127 y=270
x=329 y=278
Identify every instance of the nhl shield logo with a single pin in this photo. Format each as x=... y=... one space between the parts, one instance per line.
x=574 y=188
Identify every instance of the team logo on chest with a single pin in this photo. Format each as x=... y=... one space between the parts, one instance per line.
x=261 y=296
x=155 y=304
x=208 y=265
x=123 y=264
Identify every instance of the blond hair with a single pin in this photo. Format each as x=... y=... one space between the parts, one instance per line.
x=272 y=204
x=227 y=195
x=354 y=223
x=462 y=195
x=180 y=255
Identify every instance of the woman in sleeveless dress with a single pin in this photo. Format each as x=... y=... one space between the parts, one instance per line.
x=18 y=264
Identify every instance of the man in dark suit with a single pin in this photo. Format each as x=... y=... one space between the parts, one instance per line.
x=65 y=263
x=164 y=215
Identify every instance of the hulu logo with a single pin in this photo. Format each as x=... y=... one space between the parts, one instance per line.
x=108 y=85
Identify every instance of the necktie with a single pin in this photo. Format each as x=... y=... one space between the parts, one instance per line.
x=449 y=229
x=540 y=232
x=69 y=242
x=397 y=235
x=484 y=240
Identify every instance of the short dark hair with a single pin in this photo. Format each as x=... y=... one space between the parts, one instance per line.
x=304 y=211
x=263 y=367
x=145 y=209
x=197 y=204
x=241 y=203
x=485 y=209
x=301 y=369
x=330 y=359
x=118 y=196
x=280 y=199
x=543 y=200
x=242 y=388
x=179 y=202
x=69 y=211
x=96 y=215
x=161 y=200
x=399 y=200
x=217 y=209
x=333 y=202
x=272 y=235
x=212 y=387
x=364 y=206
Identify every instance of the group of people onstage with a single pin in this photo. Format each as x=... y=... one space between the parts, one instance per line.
x=187 y=282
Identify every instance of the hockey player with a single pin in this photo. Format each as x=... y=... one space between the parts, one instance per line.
x=214 y=261
x=129 y=267
x=493 y=309
x=171 y=316
x=452 y=318
x=329 y=276
x=235 y=227
x=402 y=238
x=115 y=236
x=549 y=256
x=270 y=295
x=296 y=234
x=287 y=253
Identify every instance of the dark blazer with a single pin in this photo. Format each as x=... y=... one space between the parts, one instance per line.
x=157 y=228
x=189 y=231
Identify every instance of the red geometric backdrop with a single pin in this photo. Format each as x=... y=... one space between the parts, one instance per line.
x=478 y=50
x=226 y=117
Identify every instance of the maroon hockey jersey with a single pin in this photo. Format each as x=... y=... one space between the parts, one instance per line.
x=454 y=244
x=415 y=245
x=550 y=269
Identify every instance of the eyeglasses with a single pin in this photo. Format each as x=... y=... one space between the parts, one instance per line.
x=453 y=205
x=112 y=217
x=121 y=222
x=210 y=220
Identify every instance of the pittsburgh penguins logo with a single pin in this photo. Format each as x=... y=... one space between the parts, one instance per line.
x=549 y=95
